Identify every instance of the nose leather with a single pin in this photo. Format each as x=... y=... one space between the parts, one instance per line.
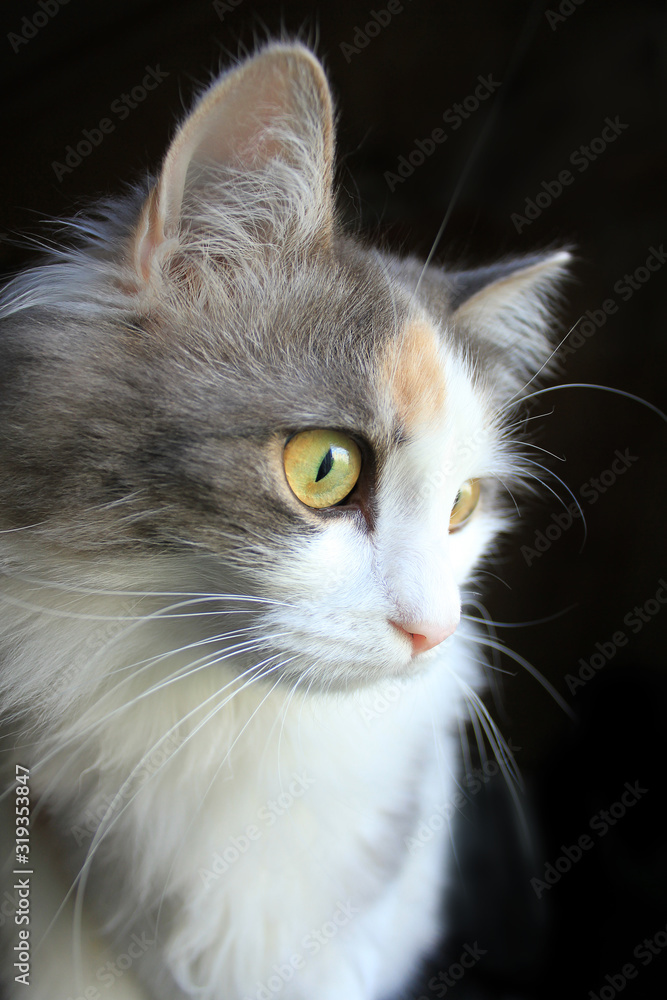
x=425 y=635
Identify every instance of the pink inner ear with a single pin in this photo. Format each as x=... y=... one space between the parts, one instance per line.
x=232 y=125
x=229 y=127
x=235 y=132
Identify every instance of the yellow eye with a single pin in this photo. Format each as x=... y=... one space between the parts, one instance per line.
x=467 y=499
x=321 y=466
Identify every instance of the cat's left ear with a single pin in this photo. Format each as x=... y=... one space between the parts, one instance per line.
x=271 y=120
x=508 y=307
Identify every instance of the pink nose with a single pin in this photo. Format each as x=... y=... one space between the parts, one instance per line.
x=424 y=635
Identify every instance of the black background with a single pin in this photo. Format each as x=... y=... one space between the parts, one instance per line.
x=562 y=76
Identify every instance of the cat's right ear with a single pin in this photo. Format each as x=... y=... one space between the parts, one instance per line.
x=260 y=142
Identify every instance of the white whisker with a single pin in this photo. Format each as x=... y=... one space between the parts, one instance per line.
x=506 y=651
x=602 y=388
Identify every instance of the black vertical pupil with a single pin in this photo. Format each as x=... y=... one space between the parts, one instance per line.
x=325 y=466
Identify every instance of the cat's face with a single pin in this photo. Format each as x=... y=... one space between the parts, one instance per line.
x=226 y=377
x=376 y=586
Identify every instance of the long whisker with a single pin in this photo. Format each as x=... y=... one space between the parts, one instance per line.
x=171 y=611
x=545 y=451
x=533 y=671
x=550 y=472
x=512 y=497
x=533 y=621
x=501 y=751
x=560 y=499
x=520 y=392
x=89 y=591
x=82 y=737
x=184 y=672
x=492 y=673
x=590 y=385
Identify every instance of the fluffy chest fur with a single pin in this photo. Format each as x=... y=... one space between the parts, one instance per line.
x=239 y=819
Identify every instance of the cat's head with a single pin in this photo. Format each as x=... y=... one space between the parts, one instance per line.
x=221 y=376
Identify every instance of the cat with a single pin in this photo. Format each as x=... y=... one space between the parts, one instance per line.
x=249 y=467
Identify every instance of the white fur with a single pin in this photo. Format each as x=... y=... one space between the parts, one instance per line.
x=358 y=765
